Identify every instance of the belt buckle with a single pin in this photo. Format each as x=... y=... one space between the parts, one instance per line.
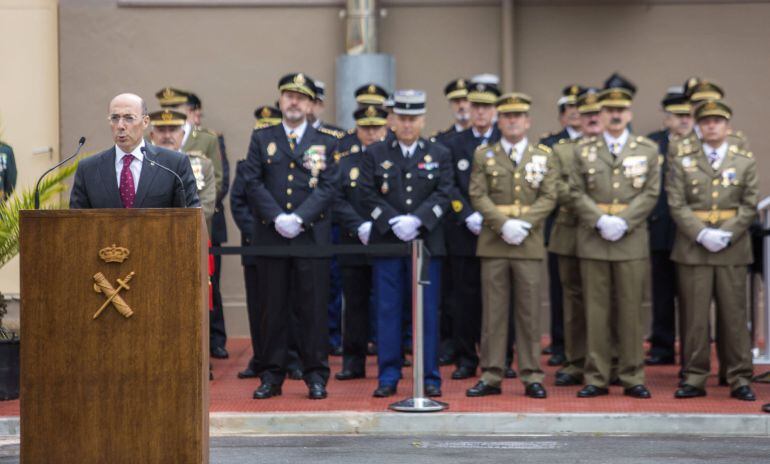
x=515 y=210
x=614 y=209
x=713 y=216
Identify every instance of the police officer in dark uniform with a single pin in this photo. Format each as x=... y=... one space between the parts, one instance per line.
x=456 y=93
x=678 y=121
x=462 y=227
x=291 y=181
x=407 y=182
x=7 y=171
x=355 y=223
x=569 y=117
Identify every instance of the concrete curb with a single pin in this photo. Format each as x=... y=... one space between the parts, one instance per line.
x=384 y=423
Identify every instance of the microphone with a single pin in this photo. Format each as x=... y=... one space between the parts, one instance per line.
x=183 y=200
x=81 y=142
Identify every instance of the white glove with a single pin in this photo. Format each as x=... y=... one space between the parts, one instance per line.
x=473 y=222
x=364 y=230
x=515 y=231
x=288 y=225
x=611 y=228
x=714 y=240
x=406 y=227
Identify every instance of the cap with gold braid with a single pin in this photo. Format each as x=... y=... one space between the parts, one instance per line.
x=514 y=102
x=676 y=102
x=588 y=101
x=481 y=92
x=713 y=108
x=370 y=116
x=703 y=90
x=371 y=94
x=297 y=82
x=570 y=94
x=171 y=97
x=456 y=89
x=615 y=98
x=267 y=116
x=167 y=117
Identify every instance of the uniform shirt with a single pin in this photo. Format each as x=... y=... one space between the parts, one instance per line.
x=485 y=136
x=573 y=134
x=721 y=152
x=620 y=141
x=518 y=148
x=135 y=166
x=187 y=131
x=299 y=131
x=408 y=152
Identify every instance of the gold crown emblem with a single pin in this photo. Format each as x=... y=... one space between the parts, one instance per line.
x=299 y=79
x=371 y=112
x=617 y=95
x=573 y=90
x=481 y=87
x=591 y=98
x=168 y=92
x=710 y=106
x=166 y=116
x=461 y=83
x=372 y=89
x=265 y=113
x=114 y=254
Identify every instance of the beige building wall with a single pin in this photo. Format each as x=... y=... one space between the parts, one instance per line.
x=29 y=97
x=233 y=56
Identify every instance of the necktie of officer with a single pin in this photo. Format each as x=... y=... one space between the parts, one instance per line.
x=407 y=154
x=292 y=140
x=127 y=192
x=512 y=156
x=713 y=159
x=615 y=148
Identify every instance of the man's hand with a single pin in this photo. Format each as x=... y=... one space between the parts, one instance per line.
x=473 y=222
x=288 y=225
x=611 y=228
x=406 y=227
x=364 y=231
x=514 y=231
x=714 y=240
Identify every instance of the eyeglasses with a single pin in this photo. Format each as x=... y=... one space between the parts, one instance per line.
x=129 y=119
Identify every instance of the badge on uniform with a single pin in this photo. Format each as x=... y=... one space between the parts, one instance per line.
x=314 y=160
x=427 y=166
x=535 y=170
x=728 y=177
x=635 y=168
x=354 y=172
x=354 y=149
x=457 y=206
x=386 y=164
x=489 y=154
x=463 y=164
x=197 y=169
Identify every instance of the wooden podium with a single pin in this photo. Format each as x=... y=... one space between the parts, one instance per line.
x=131 y=385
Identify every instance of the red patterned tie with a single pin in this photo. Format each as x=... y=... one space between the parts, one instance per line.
x=127 y=192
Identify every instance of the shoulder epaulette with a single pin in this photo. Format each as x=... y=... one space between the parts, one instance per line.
x=544 y=148
x=587 y=140
x=340 y=154
x=645 y=141
x=352 y=131
x=332 y=132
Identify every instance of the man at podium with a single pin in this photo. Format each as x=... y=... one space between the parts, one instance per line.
x=123 y=177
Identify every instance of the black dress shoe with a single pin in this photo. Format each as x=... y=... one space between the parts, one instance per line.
x=432 y=391
x=384 y=391
x=316 y=391
x=267 y=390
x=247 y=373
x=743 y=393
x=557 y=359
x=347 y=374
x=482 y=389
x=688 y=391
x=592 y=391
x=566 y=380
x=463 y=372
x=510 y=373
x=615 y=382
x=295 y=374
x=406 y=362
x=219 y=352
x=654 y=360
x=766 y=407
x=371 y=349
x=446 y=360
x=535 y=390
x=638 y=391
x=335 y=351
x=723 y=382
x=548 y=349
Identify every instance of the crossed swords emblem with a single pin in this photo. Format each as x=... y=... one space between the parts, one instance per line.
x=102 y=285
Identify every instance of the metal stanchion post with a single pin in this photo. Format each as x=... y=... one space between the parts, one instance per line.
x=762 y=355
x=418 y=402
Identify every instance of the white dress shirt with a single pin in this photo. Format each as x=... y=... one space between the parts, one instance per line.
x=408 y=150
x=573 y=134
x=486 y=135
x=135 y=166
x=621 y=141
x=518 y=148
x=721 y=152
x=187 y=131
x=299 y=131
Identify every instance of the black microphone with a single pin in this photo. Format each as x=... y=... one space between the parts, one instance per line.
x=37 y=185
x=183 y=200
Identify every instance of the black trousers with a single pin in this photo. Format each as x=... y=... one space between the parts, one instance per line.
x=466 y=308
x=446 y=335
x=663 y=304
x=307 y=281
x=252 y=310
x=555 y=294
x=357 y=290
x=217 y=333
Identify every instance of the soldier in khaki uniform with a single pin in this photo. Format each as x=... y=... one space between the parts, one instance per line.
x=167 y=132
x=712 y=193
x=513 y=186
x=563 y=242
x=614 y=186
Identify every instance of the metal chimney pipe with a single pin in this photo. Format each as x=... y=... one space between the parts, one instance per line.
x=361 y=34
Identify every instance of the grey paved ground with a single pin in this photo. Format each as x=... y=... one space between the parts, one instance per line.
x=451 y=450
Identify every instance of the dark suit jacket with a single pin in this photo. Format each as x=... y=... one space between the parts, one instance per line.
x=239 y=205
x=349 y=211
x=277 y=182
x=660 y=224
x=96 y=182
x=218 y=225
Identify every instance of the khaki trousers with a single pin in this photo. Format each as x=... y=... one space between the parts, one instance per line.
x=727 y=286
x=622 y=282
x=574 y=316
x=500 y=276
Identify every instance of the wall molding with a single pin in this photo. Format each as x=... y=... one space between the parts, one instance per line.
x=397 y=3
